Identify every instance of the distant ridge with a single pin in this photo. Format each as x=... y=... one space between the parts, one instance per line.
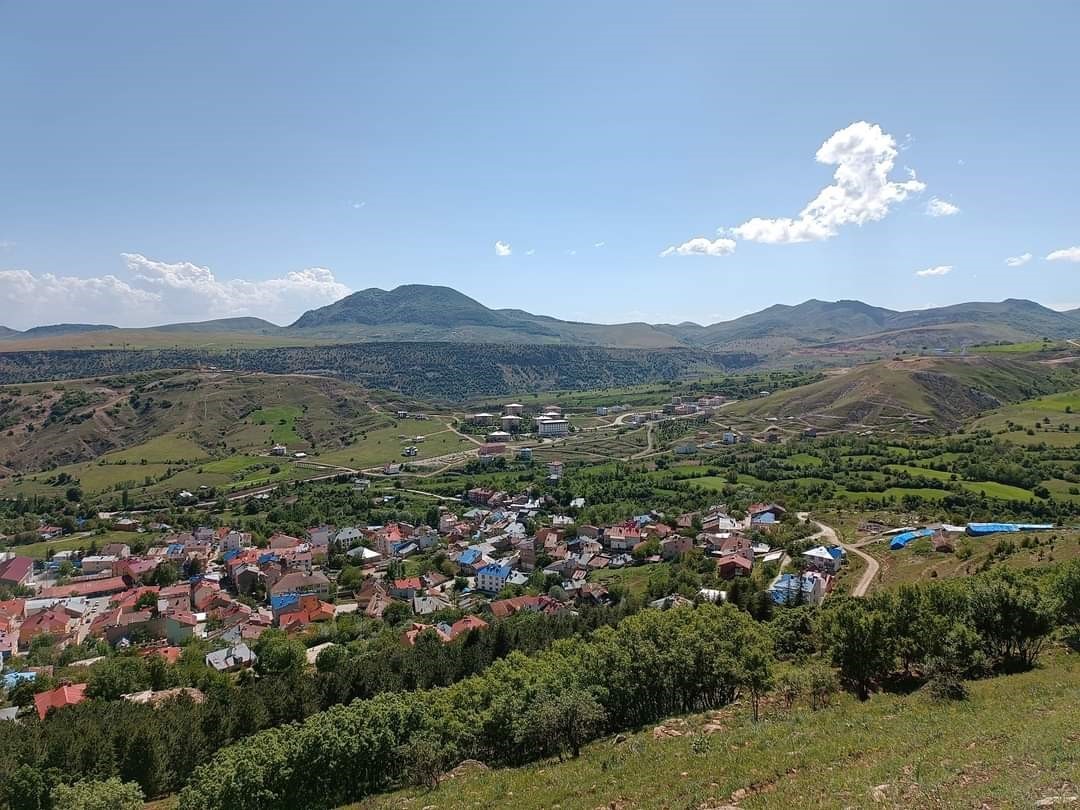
x=422 y=312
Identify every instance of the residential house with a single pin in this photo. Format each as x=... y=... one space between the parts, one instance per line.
x=502 y=608
x=62 y=696
x=182 y=625
x=765 y=516
x=623 y=537
x=675 y=546
x=492 y=577
x=234 y=541
x=302 y=582
x=96 y=564
x=824 y=558
x=56 y=621
x=119 y=550
x=734 y=565
x=16 y=572
x=231 y=659
x=406 y=588
x=306 y=610
x=136 y=569
x=793 y=589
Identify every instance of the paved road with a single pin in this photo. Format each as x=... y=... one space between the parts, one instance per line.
x=829 y=535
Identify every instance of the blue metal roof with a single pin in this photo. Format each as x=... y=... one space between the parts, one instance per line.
x=470 y=555
x=283 y=600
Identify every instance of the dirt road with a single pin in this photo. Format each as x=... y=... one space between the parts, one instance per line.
x=829 y=536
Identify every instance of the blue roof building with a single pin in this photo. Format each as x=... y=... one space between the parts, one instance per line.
x=492 y=577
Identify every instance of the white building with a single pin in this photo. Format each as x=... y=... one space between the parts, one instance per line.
x=513 y=409
x=552 y=428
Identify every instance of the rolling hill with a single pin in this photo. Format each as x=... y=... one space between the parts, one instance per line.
x=936 y=393
x=423 y=313
x=187 y=414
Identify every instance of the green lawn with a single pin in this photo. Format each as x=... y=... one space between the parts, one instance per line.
x=805 y=460
x=1011 y=743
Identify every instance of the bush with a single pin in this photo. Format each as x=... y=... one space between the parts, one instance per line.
x=112 y=794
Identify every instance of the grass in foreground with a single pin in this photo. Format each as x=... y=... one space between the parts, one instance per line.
x=1014 y=741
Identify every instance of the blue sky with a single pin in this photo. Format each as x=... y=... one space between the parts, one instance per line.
x=164 y=162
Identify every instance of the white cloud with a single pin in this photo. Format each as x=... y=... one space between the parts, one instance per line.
x=502 y=249
x=4 y=244
x=862 y=192
x=530 y=251
x=700 y=246
x=940 y=270
x=161 y=292
x=1018 y=261
x=1070 y=254
x=358 y=205
x=599 y=244
x=571 y=253
x=941 y=208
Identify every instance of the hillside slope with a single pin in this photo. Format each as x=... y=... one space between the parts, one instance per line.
x=946 y=391
x=1013 y=742
x=440 y=370
x=56 y=424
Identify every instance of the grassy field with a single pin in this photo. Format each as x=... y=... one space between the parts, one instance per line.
x=1047 y=414
x=385 y=444
x=1018 y=348
x=634 y=579
x=282 y=421
x=167 y=448
x=1014 y=741
x=918 y=562
x=40 y=551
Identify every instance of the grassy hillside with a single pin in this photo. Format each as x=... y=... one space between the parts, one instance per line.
x=945 y=391
x=170 y=419
x=1013 y=742
x=1037 y=420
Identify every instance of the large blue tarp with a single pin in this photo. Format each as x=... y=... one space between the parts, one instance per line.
x=902 y=540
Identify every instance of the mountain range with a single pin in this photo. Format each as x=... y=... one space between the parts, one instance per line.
x=418 y=312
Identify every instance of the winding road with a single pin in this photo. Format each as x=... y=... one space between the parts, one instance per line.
x=828 y=533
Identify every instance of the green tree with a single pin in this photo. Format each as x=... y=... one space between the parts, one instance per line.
x=860 y=643
x=25 y=789
x=562 y=721
x=397 y=613
x=110 y=794
x=278 y=654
